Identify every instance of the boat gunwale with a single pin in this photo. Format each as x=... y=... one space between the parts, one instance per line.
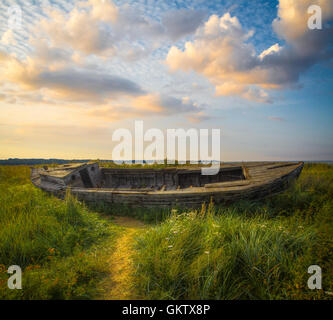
x=260 y=186
x=190 y=191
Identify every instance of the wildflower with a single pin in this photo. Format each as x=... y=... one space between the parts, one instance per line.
x=170 y=246
x=206 y=252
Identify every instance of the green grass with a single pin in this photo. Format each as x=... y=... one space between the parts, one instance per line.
x=251 y=250
x=155 y=165
x=53 y=241
x=146 y=215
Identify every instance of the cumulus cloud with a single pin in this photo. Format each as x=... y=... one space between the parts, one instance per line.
x=69 y=83
x=85 y=28
x=273 y=49
x=198 y=117
x=303 y=47
x=53 y=58
x=8 y=37
x=101 y=28
x=174 y=24
x=221 y=50
x=119 y=97
x=69 y=47
x=179 y=23
x=104 y=10
x=85 y=83
x=292 y=21
x=147 y=105
x=174 y=105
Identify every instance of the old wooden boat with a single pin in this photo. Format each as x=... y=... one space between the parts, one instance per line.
x=166 y=187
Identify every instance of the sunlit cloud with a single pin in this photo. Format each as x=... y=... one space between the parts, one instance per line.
x=89 y=65
x=222 y=52
x=198 y=117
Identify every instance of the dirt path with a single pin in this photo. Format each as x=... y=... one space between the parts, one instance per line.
x=119 y=286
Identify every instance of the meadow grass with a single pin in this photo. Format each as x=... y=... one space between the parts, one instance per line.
x=147 y=215
x=53 y=241
x=155 y=165
x=251 y=250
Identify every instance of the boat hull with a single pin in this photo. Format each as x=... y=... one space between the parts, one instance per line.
x=259 y=180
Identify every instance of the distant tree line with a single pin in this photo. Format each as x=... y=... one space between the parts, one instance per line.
x=15 y=161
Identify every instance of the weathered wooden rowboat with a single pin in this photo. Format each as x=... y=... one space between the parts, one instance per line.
x=182 y=186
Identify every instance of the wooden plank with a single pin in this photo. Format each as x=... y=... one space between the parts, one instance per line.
x=227 y=184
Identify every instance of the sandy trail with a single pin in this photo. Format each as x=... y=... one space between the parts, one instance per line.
x=119 y=286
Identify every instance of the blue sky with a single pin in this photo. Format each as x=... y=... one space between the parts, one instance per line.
x=76 y=71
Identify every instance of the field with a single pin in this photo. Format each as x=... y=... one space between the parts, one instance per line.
x=251 y=250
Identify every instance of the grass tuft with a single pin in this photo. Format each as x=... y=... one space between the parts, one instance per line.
x=250 y=250
x=52 y=240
